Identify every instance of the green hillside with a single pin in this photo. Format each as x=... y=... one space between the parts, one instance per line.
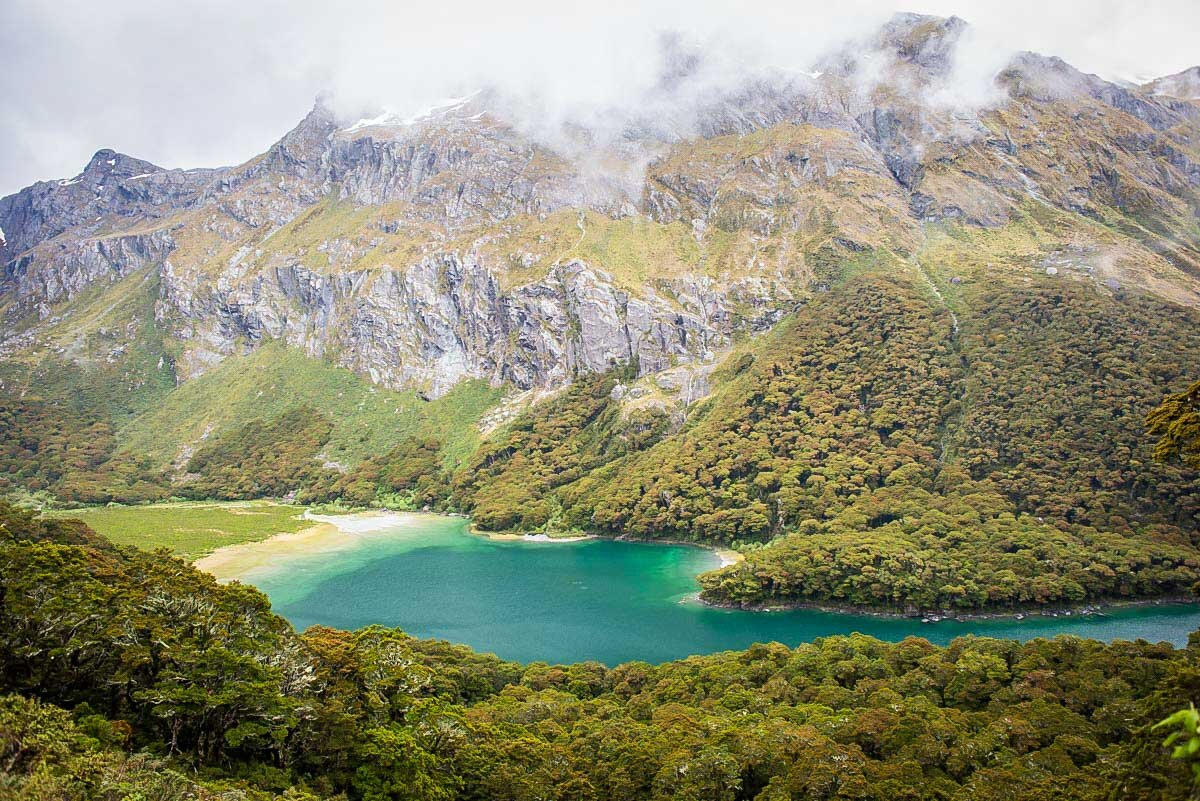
x=869 y=453
x=129 y=675
x=273 y=378
x=86 y=432
x=928 y=433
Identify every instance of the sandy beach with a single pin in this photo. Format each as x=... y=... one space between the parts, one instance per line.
x=729 y=556
x=329 y=534
x=491 y=535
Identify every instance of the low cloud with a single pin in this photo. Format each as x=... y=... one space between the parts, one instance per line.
x=212 y=82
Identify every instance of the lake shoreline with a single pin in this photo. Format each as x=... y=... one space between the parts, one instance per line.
x=1095 y=609
x=428 y=575
x=330 y=532
x=727 y=556
x=500 y=536
x=234 y=562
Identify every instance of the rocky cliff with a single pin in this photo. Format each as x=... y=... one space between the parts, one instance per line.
x=461 y=244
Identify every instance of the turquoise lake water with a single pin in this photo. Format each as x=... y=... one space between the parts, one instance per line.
x=598 y=599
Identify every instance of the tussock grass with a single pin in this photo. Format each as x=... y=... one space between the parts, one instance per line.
x=190 y=529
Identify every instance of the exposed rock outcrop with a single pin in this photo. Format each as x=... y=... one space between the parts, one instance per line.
x=423 y=250
x=447 y=318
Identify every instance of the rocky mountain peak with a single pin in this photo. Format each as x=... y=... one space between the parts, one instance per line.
x=302 y=150
x=319 y=121
x=108 y=164
x=1183 y=85
x=922 y=44
x=1048 y=79
x=924 y=40
x=100 y=159
x=1044 y=78
x=111 y=183
x=464 y=240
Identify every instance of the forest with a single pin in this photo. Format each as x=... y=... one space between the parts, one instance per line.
x=871 y=451
x=864 y=456
x=126 y=674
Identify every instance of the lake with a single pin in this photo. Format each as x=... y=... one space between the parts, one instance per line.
x=594 y=599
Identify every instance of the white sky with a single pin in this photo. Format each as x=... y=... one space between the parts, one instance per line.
x=210 y=82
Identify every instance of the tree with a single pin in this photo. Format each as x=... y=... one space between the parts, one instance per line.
x=1185 y=736
x=394 y=768
x=1176 y=423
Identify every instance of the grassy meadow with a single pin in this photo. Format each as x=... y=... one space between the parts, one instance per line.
x=190 y=529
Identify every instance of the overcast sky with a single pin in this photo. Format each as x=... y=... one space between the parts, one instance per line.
x=212 y=82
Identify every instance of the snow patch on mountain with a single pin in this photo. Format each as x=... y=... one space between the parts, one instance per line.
x=392 y=118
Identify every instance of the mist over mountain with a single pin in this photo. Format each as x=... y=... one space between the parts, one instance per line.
x=880 y=135
x=212 y=83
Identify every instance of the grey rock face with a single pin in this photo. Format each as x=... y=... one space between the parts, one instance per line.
x=454 y=173
x=112 y=188
x=846 y=163
x=1183 y=85
x=61 y=270
x=925 y=41
x=446 y=319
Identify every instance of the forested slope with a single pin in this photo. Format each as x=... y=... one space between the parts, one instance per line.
x=897 y=351
x=886 y=446
x=890 y=455
x=132 y=675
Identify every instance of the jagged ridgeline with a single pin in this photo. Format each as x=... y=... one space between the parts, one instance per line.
x=900 y=353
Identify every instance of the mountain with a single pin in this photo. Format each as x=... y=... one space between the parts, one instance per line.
x=859 y=316
x=1180 y=86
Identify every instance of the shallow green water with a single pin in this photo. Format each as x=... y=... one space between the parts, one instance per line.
x=602 y=600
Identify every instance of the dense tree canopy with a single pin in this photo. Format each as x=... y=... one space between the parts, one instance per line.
x=508 y=483
x=872 y=450
x=887 y=461
x=263 y=457
x=907 y=547
x=1055 y=402
x=849 y=392
x=68 y=450
x=411 y=475
x=125 y=674
x=1176 y=423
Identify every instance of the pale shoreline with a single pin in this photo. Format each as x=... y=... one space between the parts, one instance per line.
x=231 y=562
x=330 y=534
x=728 y=556
x=333 y=533
x=502 y=537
